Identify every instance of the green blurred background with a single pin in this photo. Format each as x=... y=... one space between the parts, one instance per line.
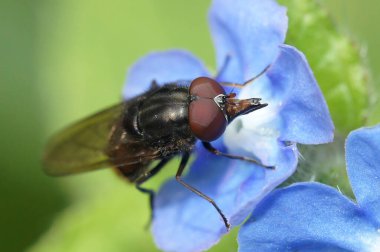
x=62 y=60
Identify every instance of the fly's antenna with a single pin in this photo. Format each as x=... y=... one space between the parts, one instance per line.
x=248 y=82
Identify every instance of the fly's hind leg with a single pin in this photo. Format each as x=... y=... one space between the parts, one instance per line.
x=214 y=151
x=150 y=192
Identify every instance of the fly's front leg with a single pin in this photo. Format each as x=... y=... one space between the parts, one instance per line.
x=214 y=151
x=184 y=160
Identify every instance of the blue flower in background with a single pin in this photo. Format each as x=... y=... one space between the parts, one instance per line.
x=316 y=217
x=250 y=33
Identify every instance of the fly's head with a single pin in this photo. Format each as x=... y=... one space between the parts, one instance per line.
x=211 y=109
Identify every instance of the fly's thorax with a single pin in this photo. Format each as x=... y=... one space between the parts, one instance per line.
x=163 y=115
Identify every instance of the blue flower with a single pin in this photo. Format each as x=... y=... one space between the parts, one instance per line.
x=316 y=217
x=250 y=34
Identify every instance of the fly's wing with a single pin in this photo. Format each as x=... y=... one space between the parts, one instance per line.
x=84 y=145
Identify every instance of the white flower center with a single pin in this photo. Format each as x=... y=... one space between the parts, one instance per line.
x=372 y=242
x=256 y=134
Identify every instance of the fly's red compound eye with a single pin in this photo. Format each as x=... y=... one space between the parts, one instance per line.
x=206 y=87
x=207 y=121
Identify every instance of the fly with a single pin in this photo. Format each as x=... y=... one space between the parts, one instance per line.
x=159 y=124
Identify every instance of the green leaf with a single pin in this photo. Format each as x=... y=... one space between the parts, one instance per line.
x=374 y=113
x=335 y=60
x=374 y=117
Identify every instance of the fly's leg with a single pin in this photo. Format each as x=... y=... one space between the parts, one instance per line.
x=182 y=165
x=227 y=84
x=150 y=192
x=214 y=151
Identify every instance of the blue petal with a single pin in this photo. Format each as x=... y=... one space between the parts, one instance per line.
x=308 y=217
x=163 y=67
x=249 y=32
x=185 y=222
x=306 y=118
x=363 y=167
